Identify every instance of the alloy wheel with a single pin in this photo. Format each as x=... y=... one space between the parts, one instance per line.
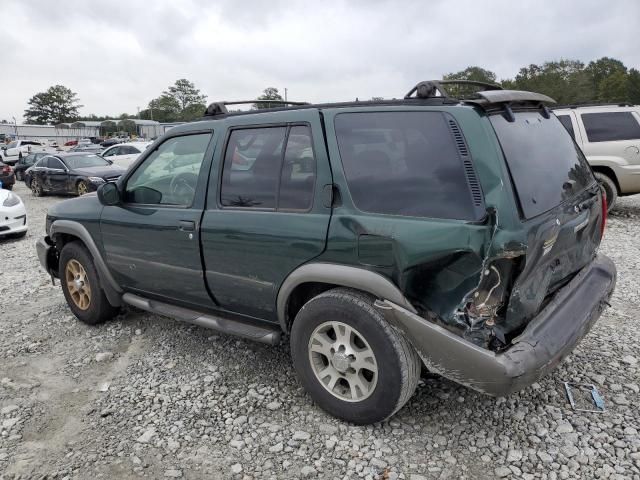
x=78 y=284
x=343 y=362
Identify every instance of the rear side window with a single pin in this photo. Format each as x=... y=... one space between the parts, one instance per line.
x=610 y=126
x=269 y=168
x=565 y=120
x=404 y=163
x=545 y=164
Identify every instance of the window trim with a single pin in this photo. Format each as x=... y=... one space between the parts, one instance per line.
x=276 y=209
x=124 y=179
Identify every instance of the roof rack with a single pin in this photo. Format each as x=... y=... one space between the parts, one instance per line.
x=220 y=108
x=430 y=88
x=595 y=104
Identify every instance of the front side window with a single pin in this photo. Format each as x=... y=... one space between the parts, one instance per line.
x=111 y=152
x=259 y=173
x=169 y=175
x=610 y=126
x=403 y=163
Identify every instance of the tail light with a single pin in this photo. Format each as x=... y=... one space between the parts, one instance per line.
x=604 y=212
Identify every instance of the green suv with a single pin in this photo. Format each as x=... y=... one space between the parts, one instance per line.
x=383 y=237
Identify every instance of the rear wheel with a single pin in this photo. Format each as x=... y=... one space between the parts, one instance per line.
x=350 y=360
x=36 y=187
x=81 y=286
x=610 y=189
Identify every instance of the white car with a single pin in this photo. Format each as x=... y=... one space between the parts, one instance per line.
x=124 y=154
x=13 y=215
x=21 y=148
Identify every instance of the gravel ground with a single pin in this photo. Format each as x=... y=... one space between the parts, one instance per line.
x=146 y=396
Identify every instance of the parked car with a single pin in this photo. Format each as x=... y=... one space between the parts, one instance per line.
x=25 y=162
x=381 y=236
x=125 y=154
x=7 y=177
x=21 y=148
x=74 y=173
x=13 y=216
x=609 y=136
x=88 y=148
x=111 y=141
x=71 y=143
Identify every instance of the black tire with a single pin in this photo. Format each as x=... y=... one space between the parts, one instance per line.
x=398 y=364
x=36 y=187
x=610 y=188
x=99 y=308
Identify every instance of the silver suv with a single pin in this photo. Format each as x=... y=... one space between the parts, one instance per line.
x=609 y=136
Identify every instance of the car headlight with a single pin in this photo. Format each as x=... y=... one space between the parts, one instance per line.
x=96 y=180
x=11 y=201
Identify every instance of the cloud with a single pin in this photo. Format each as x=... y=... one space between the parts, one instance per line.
x=117 y=57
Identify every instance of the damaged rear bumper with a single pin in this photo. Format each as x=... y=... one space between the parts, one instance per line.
x=547 y=339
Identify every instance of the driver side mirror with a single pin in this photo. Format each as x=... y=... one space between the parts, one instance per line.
x=108 y=194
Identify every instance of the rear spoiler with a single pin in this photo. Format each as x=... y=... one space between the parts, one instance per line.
x=494 y=97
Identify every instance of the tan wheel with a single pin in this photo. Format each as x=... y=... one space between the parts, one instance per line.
x=78 y=284
x=82 y=188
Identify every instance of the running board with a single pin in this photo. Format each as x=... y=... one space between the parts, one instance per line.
x=223 y=325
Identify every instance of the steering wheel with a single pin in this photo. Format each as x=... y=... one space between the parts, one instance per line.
x=183 y=185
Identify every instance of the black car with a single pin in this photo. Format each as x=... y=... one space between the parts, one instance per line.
x=110 y=141
x=25 y=162
x=75 y=173
x=7 y=177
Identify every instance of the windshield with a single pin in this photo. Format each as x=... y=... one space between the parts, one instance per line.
x=546 y=165
x=84 y=161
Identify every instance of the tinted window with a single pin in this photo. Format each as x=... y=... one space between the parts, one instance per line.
x=55 y=163
x=111 y=152
x=403 y=163
x=85 y=161
x=298 y=171
x=128 y=150
x=545 y=164
x=565 y=120
x=609 y=126
x=252 y=167
x=169 y=175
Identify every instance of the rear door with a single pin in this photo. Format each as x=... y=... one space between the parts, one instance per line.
x=265 y=213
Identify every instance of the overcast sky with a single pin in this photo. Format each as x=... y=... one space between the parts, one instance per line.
x=119 y=55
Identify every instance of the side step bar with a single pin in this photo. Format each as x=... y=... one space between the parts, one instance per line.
x=223 y=325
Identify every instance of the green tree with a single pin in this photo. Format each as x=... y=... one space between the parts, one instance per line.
x=614 y=88
x=475 y=74
x=165 y=108
x=269 y=93
x=57 y=105
x=633 y=86
x=599 y=70
x=187 y=95
x=564 y=80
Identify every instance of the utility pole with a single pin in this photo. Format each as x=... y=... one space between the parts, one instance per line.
x=15 y=126
x=285 y=93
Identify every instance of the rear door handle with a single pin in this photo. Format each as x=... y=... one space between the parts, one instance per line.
x=187 y=225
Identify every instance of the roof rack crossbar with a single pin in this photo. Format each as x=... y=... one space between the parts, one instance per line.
x=219 y=108
x=429 y=88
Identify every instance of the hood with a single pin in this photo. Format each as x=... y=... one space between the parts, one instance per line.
x=103 y=171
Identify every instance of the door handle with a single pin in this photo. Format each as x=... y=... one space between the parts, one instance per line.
x=187 y=226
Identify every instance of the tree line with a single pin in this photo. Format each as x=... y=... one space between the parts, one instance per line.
x=567 y=81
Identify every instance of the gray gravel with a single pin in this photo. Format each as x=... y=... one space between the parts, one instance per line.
x=145 y=396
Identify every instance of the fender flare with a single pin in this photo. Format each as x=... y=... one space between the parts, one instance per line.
x=344 y=276
x=111 y=288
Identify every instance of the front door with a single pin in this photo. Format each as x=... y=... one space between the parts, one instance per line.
x=265 y=215
x=57 y=175
x=151 y=240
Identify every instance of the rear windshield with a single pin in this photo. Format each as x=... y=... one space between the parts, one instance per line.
x=546 y=165
x=403 y=163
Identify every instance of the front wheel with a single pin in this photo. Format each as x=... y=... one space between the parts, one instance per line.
x=81 y=287
x=36 y=188
x=82 y=188
x=350 y=360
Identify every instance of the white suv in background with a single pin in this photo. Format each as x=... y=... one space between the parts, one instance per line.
x=609 y=136
x=124 y=154
x=20 y=148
